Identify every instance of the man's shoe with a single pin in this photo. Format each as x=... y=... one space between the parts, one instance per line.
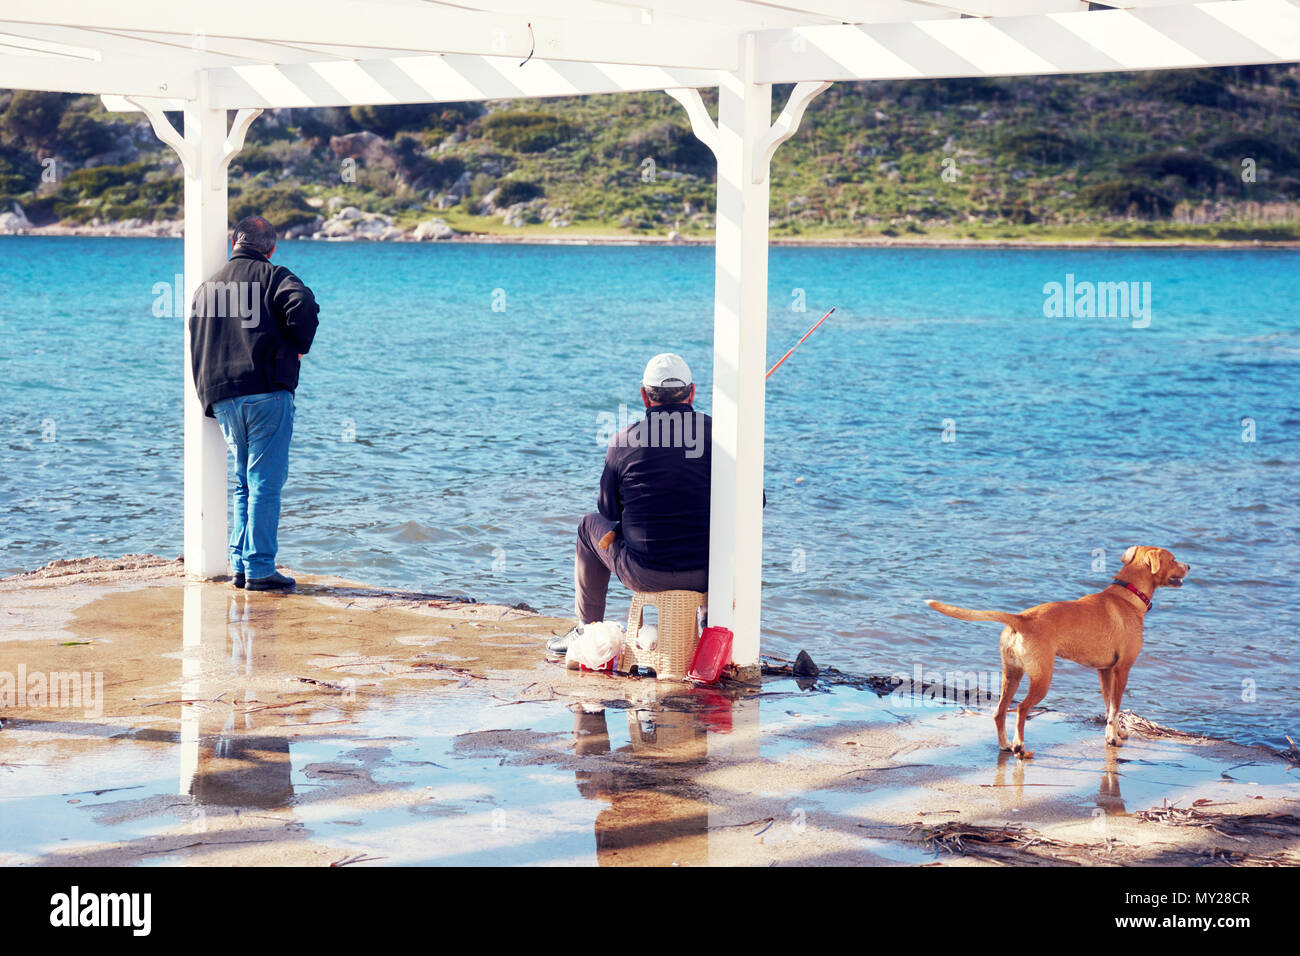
x=238 y=579
x=272 y=582
x=560 y=643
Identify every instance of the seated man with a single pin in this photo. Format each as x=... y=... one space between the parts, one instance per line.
x=652 y=527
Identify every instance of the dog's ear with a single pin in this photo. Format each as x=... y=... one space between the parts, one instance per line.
x=1130 y=554
x=1155 y=557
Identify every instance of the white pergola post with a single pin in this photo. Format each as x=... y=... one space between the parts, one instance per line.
x=206 y=503
x=739 y=357
x=205 y=151
x=743 y=141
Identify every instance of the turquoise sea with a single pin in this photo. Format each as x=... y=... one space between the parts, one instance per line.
x=939 y=437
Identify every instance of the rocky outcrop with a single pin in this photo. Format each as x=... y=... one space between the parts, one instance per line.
x=433 y=229
x=351 y=223
x=14 y=221
x=370 y=148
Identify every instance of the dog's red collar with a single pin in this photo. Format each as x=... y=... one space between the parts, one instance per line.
x=1128 y=587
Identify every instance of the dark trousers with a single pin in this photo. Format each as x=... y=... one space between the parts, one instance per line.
x=592 y=566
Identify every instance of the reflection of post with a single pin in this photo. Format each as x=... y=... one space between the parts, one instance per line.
x=739 y=743
x=237 y=766
x=191 y=670
x=222 y=764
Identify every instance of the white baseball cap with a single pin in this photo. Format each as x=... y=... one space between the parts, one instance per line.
x=666 y=371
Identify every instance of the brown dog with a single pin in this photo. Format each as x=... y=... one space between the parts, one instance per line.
x=1102 y=630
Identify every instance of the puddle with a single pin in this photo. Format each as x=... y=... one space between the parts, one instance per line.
x=314 y=729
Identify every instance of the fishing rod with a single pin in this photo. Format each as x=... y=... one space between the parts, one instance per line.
x=799 y=343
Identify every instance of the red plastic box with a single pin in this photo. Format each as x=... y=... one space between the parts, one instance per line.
x=712 y=655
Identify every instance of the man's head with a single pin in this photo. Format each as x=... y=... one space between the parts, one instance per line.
x=255 y=233
x=667 y=381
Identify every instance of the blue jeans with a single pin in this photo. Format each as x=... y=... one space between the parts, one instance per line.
x=257 y=429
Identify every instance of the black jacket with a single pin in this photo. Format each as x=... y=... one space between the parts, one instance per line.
x=656 y=485
x=249 y=322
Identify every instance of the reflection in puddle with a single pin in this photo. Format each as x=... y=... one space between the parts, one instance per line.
x=234 y=765
x=290 y=730
x=653 y=804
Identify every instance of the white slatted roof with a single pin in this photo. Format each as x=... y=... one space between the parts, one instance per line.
x=260 y=53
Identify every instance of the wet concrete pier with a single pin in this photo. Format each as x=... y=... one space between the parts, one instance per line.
x=350 y=725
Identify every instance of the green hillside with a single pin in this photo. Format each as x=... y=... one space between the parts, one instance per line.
x=1201 y=154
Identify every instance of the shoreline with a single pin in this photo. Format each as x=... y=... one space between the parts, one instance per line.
x=351 y=724
x=174 y=230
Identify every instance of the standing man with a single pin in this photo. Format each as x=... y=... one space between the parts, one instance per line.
x=250 y=325
x=652 y=523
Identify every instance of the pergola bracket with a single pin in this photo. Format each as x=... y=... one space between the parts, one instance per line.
x=235 y=140
x=702 y=125
x=163 y=128
x=785 y=126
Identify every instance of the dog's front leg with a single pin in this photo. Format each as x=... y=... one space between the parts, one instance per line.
x=1115 y=734
x=1107 y=677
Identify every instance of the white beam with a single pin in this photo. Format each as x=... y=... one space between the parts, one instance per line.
x=420 y=28
x=862 y=11
x=59 y=74
x=1013 y=8
x=193 y=51
x=1216 y=33
x=436 y=79
x=740 y=14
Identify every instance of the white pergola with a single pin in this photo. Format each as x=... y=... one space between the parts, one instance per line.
x=207 y=58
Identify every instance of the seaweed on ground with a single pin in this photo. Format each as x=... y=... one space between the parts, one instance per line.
x=1237 y=826
x=1018 y=845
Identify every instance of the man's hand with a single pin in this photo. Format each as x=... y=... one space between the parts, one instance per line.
x=607 y=540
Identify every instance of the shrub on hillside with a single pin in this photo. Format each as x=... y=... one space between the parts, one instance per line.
x=526 y=131
x=937 y=94
x=388 y=121
x=421 y=171
x=670 y=146
x=33 y=117
x=1125 y=197
x=256 y=159
x=1043 y=146
x=1262 y=149
x=284 y=206
x=1189 y=87
x=1192 y=168
x=512 y=191
x=90 y=183
x=80 y=136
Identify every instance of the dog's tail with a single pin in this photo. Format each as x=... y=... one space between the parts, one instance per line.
x=965 y=614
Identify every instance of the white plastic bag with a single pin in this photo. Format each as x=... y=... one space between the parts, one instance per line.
x=596 y=646
x=647 y=637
